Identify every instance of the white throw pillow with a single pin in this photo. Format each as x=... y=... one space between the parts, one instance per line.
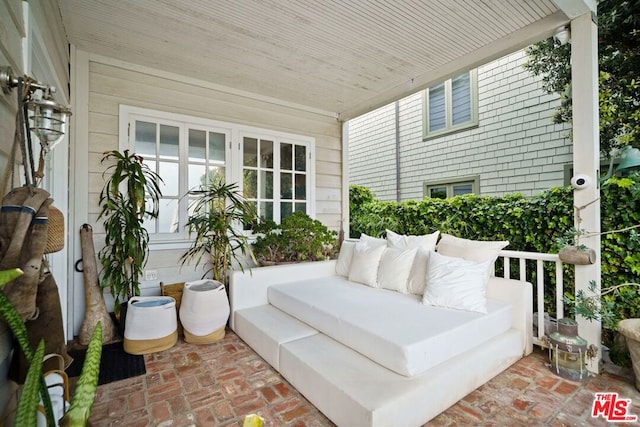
x=394 y=269
x=418 y=275
x=400 y=241
x=471 y=250
x=457 y=283
x=373 y=241
x=344 y=257
x=364 y=263
x=424 y=243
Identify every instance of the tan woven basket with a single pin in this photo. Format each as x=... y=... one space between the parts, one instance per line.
x=55 y=234
x=174 y=290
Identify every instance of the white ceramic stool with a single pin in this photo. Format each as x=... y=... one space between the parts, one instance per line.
x=204 y=311
x=151 y=325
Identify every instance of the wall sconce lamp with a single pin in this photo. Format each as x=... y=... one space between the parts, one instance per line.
x=562 y=35
x=37 y=113
x=47 y=118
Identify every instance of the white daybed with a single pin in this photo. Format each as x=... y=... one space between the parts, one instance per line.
x=368 y=356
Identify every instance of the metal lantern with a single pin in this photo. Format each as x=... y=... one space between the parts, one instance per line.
x=48 y=120
x=568 y=352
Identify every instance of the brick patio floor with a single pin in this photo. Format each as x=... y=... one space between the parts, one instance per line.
x=218 y=384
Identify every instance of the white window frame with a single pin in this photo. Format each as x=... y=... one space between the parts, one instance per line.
x=283 y=138
x=449 y=127
x=233 y=158
x=450 y=183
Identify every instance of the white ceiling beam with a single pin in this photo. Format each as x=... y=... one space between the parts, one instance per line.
x=575 y=8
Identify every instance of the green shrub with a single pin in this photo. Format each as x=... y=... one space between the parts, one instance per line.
x=297 y=238
x=529 y=223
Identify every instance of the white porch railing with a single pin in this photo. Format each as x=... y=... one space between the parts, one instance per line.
x=539 y=285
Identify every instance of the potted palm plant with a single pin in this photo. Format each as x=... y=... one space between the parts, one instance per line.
x=216 y=222
x=218 y=214
x=131 y=193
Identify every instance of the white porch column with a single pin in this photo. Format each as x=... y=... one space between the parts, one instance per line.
x=586 y=157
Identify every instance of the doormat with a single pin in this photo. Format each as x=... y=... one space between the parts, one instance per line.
x=115 y=364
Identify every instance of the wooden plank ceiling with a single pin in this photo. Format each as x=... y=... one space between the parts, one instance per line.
x=343 y=57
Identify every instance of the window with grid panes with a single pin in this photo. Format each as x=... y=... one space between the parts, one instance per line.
x=185 y=156
x=273 y=170
x=275 y=176
x=443 y=189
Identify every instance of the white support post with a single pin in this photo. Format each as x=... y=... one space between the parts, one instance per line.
x=586 y=159
x=344 y=214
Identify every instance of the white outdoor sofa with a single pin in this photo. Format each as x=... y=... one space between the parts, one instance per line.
x=366 y=356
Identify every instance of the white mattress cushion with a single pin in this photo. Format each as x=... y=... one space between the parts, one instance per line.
x=391 y=328
x=265 y=329
x=352 y=390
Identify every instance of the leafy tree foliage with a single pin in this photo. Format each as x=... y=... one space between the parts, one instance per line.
x=619 y=62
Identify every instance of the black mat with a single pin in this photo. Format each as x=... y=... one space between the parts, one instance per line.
x=115 y=364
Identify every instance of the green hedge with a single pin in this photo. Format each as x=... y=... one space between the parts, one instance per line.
x=529 y=223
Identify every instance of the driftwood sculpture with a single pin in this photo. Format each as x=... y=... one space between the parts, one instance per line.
x=95 y=310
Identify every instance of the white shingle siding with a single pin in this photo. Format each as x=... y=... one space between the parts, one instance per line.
x=516 y=146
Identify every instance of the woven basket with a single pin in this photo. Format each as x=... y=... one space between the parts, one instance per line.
x=174 y=290
x=55 y=233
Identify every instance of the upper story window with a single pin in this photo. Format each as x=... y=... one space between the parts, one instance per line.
x=272 y=169
x=451 y=105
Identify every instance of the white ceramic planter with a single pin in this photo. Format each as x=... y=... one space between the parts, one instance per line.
x=204 y=311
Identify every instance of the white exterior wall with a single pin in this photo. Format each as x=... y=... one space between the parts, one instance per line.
x=109 y=83
x=515 y=148
x=12 y=30
x=33 y=42
x=372 y=157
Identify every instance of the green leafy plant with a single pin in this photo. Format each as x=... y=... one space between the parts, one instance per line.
x=87 y=385
x=297 y=238
x=572 y=238
x=219 y=212
x=35 y=387
x=593 y=305
x=131 y=193
x=28 y=406
x=618 y=50
x=535 y=224
x=19 y=331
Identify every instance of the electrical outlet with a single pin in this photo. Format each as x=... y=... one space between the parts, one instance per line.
x=151 y=275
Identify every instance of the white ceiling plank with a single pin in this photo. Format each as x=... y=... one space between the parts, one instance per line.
x=331 y=55
x=535 y=32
